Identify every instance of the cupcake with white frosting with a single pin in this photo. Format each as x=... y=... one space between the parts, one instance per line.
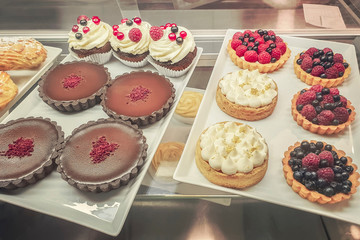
x=130 y=42
x=89 y=40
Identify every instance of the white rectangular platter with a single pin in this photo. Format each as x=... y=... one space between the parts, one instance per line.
x=280 y=131
x=104 y=212
x=25 y=79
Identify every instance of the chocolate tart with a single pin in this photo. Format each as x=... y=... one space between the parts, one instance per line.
x=314 y=195
x=28 y=149
x=102 y=155
x=73 y=86
x=141 y=97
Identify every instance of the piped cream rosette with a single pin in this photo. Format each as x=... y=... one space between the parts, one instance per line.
x=247 y=95
x=188 y=106
x=232 y=154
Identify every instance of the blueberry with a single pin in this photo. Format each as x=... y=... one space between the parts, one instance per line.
x=310 y=185
x=249 y=48
x=313 y=175
x=303 y=91
x=339 y=163
x=335 y=122
x=307 y=175
x=319 y=97
x=298 y=175
x=334 y=154
x=328 y=147
x=244 y=43
x=323 y=58
x=292 y=154
x=308 y=70
x=295 y=168
x=297 y=149
x=265 y=32
x=338 y=104
x=272 y=45
x=317 y=152
x=78 y=36
x=346 y=65
x=319 y=145
x=349 y=169
x=344 y=175
x=300 y=155
x=269 y=50
x=255 y=48
x=305 y=145
x=315 y=63
x=318 y=109
x=321 y=183
x=273 y=38
x=327 y=65
x=338 y=177
x=330 y=59
x=323 y=75
x=291 y=162
x=349 y=110
x=329 y=106
x=315 y=103
x=266 y=38
x=260 y=32
x=321 y=52
x=346 y=189
x=83 y=22
x=315 y=121
x=343 y=160
x=337 y=169
x=316 y=54
x=174 y=29
x=323 y=163
x=251 y=39
x=336 y=186
x=256 y=43
x=241 y=38
x=312 y=147
x=347 y=182
x=273 y=60
x=129 y=22
x=329 y=191
x=330 y=53
x=246 y=35
x=341 y=74
x=336 y=98
x=299 y=107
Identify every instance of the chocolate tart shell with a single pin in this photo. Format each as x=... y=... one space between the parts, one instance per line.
x=47 y=165
x=72 y=105
x=107 y=185
x=320 y=129
x=315 y=196
x=142 y=120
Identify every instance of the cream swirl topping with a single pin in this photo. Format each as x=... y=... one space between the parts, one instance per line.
x=248 y=88
x=128 y=46
x=189 y=104
x=98 y=36
x=165 y=50
x=232 y=147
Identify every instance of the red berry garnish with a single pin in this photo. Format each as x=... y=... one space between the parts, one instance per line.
x=251 y=56
x=96 y=20
x=172 y=36
x=183 y=34
x=135 y=34
x=75 y=28
x=124 y=20
x=156 y=33
x=86 y=29
x=173 y=25
x=311 y=162
x=162 y=27
x=81 y=17
x=115 y=27
x=115 y=32
x=167 y=25
x=120 y=35
x=137 y=20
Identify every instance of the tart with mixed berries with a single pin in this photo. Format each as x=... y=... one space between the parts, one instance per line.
x=321 y=66
x=319 y=172
x=322 y=110
x=261 y=50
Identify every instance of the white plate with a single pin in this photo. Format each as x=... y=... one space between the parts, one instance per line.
x=105 y=212
x=25 y=79
x=280 y=131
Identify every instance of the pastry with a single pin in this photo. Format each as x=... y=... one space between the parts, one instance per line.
x=172 y=49
x=73 y=86
x=247 y=95
x=188 y=106
x=142 y=97
x=321 y=66
x=232 y=154
x=103 y=155
x=319 y=172
x=322 y=110
x=89 y=40
x=8 y=89
x=261 y=50
x=130 y=42
x=21 y=53
x=27 y=150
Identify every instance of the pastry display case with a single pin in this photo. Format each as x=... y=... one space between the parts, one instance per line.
x=174 y=200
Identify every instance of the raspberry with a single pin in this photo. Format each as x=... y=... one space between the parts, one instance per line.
x=269 y=42
x=249 y=32
x=338 y=58
x=256 y=35
x=343 y=100
x=271 y=32
x=306 y=63
x=317 y=70
x=327 y=156
x=325 y=117
x=235 y=36
x=334 y=91
x=262 y=48
x=251 y=56
x=339 y=66
x=341 y=114
x=282 y=47
x=309 y=112
x=327 y=99
x=332 y=72
x=326 y=173
x=260 y=40
x=156 y=33
x=278 y=39
x=311 y=51
x=135 y=34
x=240 y=50
x=317 y=88
x=311 y=162
x=264 y=57
x=235 y=43
x=302 y=56
x=251 y=44
x=325 y=50
x=306 y=98
x=276 y=53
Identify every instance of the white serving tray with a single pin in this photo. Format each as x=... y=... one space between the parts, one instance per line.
x=280 y=131
x=25 y=79
x=104 y=212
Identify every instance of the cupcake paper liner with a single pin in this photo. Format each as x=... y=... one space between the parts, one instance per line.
x=100 y=58
x=168 y=72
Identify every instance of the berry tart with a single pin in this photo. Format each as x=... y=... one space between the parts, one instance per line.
x=319 y=172
x=130 y=42
x=89 y=40
x=261 y=50
x=28 y=149
x=141 y=97
x=247 y=95
x=8 y=89
x=321 y=66
x=232 y=154
x=322 y=110
x=172 y=49
x=102 y=155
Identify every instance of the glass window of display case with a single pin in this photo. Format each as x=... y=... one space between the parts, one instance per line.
x=176 y=201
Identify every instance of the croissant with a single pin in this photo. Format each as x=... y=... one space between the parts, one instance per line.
x=8 y=89
x=21 y=53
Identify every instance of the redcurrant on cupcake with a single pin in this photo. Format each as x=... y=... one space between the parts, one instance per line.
x=319 y=172
x=321 y=66
x=89 y=40
x=261 y=50
x=130 y=42
x=322 y=110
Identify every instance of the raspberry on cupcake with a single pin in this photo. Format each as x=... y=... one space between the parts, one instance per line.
x=321 y=66
x=261 y=50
